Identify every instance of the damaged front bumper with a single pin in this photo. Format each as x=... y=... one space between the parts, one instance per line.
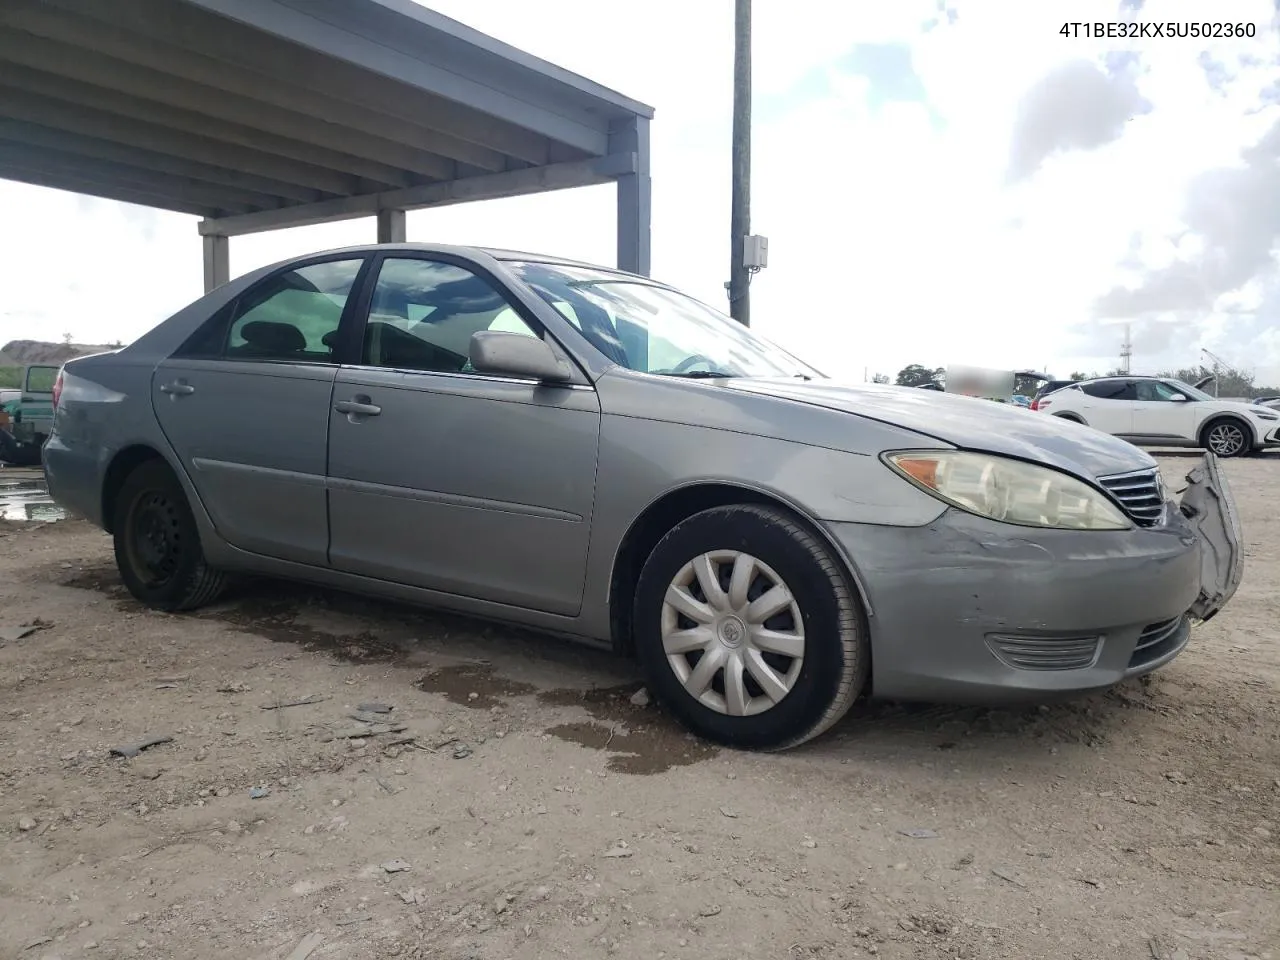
x=1210 y=511
x=966 y=610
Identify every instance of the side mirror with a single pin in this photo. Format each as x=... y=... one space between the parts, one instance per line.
x=1178 y=398
x=516 y=355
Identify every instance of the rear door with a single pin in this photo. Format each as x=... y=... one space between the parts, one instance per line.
x=446 y=478
x=1108 y=406
x=245 y=406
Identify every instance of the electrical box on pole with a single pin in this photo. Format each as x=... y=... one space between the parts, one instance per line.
x=755 y=252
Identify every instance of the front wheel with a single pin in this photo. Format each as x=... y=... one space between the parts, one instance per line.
x=748 y=629
x=157 y=544
x=1226 y=438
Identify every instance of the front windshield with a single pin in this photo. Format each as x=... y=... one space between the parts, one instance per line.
x=1190 y=391
x=653 y=329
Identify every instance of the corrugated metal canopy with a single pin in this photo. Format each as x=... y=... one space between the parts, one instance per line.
x=258 y=114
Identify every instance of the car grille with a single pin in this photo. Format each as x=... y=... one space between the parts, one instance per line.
x=1157 y=639
x=1045 y=653
x=1139 y=493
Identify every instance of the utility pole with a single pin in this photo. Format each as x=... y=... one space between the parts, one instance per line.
x=740 y=201
x=1126 y=351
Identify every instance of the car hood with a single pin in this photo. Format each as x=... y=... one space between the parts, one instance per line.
x=966 y=422
x=1238 y=406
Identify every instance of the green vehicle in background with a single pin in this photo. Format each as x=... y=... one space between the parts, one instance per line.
x=32 y=413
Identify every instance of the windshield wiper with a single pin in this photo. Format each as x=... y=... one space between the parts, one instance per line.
x=698 y=374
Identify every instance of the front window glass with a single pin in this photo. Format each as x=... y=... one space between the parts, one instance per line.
x=424 y=313
x=1189 y=390
x=647 y=327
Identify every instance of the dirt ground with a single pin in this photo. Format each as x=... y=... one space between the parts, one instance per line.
x=516 y=804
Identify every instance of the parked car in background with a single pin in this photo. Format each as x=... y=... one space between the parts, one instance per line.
x=32 y=414
x=1046 y=388
x=1158 y=411
x=595 y=454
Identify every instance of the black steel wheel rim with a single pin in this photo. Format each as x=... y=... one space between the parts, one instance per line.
x=155 y=540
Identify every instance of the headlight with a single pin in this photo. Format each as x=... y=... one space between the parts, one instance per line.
x=1008 y=490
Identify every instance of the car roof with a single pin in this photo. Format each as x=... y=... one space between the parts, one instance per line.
x=1126 y=376
x=497 y=253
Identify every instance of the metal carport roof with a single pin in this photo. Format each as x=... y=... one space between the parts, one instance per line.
x=262 y=114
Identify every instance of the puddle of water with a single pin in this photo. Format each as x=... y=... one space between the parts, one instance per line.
x=27 y=498
x=641 y=740
x=472 y=686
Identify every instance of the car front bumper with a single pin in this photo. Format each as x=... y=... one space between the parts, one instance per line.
x=966 y=610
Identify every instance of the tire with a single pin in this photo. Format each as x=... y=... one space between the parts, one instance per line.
x=1227 y=437
x=157 y=543
x=824 y=623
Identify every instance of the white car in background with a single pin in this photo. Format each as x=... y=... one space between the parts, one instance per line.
x=1161 y=412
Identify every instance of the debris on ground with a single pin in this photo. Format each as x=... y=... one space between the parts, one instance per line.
x=374 y=707
x=305 y=701
x=309 y=945
x=134 y=749
x=11 y=634
x=396 y=866
x=919 y=833
x=1008 y=877
x=371 y=730
x=641 y=698
x=257 y=793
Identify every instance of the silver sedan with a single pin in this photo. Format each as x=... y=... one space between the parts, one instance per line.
x=595 y=454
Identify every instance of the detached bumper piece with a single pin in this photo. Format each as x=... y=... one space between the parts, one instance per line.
x=1211 y=512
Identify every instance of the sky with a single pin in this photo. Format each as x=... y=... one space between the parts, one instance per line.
x=941 y=181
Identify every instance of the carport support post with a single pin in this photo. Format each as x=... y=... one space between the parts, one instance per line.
x=635 y=195
x=217 y=261
x=391 y=226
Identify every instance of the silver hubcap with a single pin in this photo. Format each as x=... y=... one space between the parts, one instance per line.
x=732 y=632
x=1226 y=439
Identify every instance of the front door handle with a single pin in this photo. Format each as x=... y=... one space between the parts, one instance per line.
x=361 y=406
x=178 y=388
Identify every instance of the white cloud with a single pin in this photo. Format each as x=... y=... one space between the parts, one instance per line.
x=895 y=237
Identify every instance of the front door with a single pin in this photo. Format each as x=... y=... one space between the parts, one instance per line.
x=1163 y=412
x=245 y=406
x=445 y=478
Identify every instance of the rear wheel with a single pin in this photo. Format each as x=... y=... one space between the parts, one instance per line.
x=157 y=544
x=748 y=630
x=1226 y=437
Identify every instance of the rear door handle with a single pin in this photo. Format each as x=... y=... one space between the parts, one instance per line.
x=359 y=407
x=177 y=388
